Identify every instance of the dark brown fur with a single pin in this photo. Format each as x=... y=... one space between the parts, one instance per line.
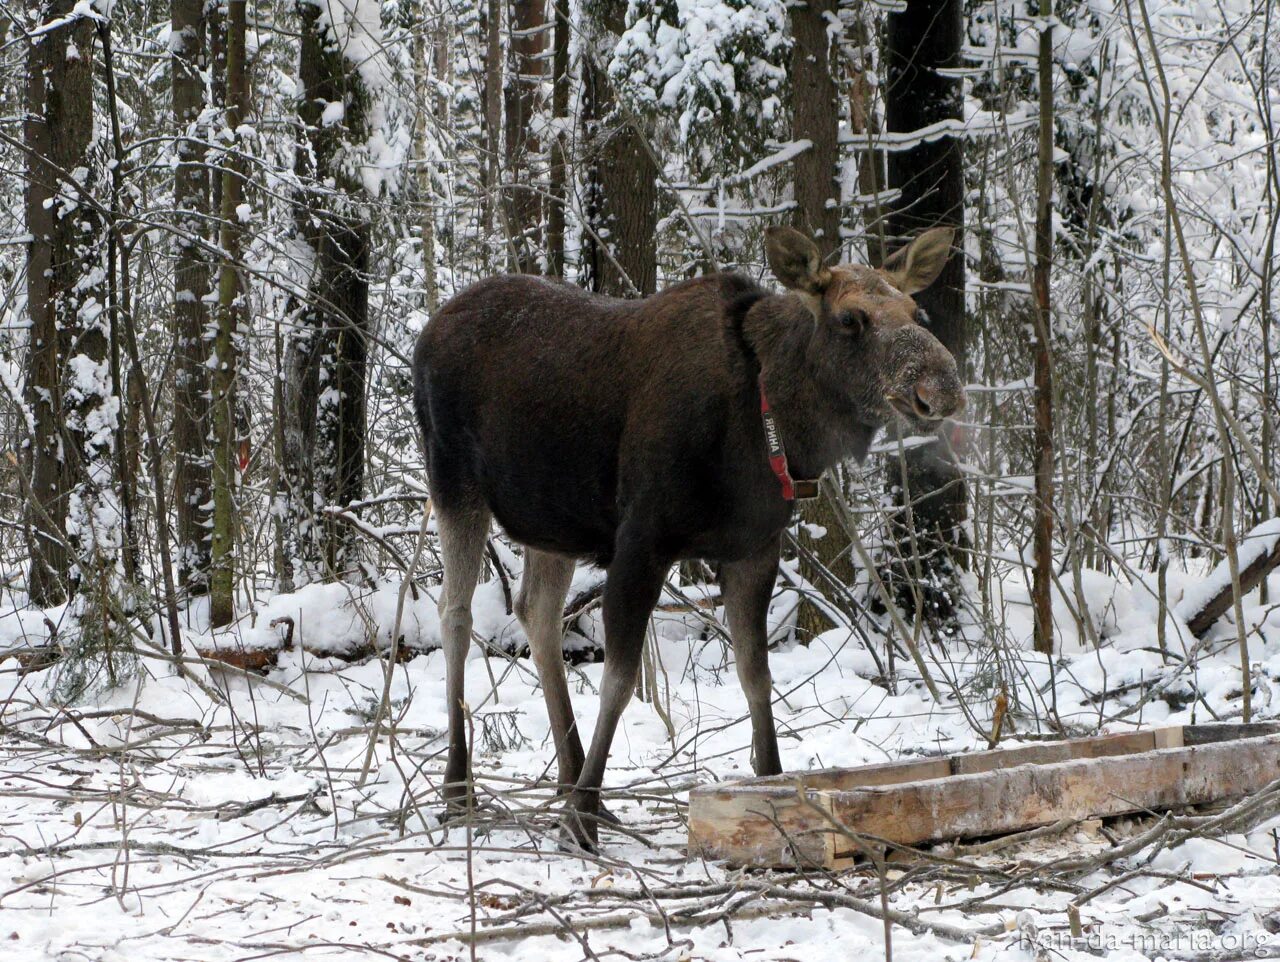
x=629 y=433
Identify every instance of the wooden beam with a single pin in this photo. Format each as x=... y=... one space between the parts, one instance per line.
x=794 y=820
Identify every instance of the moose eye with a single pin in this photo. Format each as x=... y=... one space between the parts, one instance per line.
x=852 y=319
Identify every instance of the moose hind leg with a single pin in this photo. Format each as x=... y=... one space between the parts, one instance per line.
x=633 y=585
x=540 y=607
x=463 y=533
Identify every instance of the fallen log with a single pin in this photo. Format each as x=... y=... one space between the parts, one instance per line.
x=1258 y=556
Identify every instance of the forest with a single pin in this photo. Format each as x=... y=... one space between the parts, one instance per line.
x=224 y=717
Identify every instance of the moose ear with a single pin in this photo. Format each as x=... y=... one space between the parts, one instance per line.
x=794 y=260
x=916 y=266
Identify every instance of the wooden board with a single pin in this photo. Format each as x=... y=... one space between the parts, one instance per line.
x=796 y=819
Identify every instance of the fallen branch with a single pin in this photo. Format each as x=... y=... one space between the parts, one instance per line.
x=1200 y=614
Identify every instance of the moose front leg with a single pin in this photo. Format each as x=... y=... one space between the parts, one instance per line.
x=747 y=586
x=634 y=582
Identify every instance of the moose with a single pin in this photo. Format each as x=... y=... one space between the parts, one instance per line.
x=639 y=433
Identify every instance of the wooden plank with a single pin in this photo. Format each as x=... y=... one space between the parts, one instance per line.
x=1015 y=799
x=779 y=821
x=759 y=826
x=1227 y=731
x=889 y=773
x=831 y=779
x=1125 y=743
x=741 y=820
x=1171 y=737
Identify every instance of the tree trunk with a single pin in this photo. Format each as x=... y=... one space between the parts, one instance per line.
x=57 y=131
x=423 y=54
x=231 y=310
x=1042 y=574
x=190 y=311
x=491 y=26
x=862 y=122
x=558 y=189
x=816 y=118
x=619 y=247
x=523 y=89
x=328 y=353
x=928 y=526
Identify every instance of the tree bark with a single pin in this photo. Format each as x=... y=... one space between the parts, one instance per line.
x=231 y=310
x=191 y=286
x=64 y=230
x=558 y=190
x=1042 y=574
x=921 y=41
x=816 y=117
x=619 y=248
x=491 y=25
x=523 y=88
x=328 y=353
x=863 y=122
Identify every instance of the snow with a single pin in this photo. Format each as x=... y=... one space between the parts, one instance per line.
x=718 y=66
x=244 y=827
x=1259 y=542
x=356 y=27
x=333 y=113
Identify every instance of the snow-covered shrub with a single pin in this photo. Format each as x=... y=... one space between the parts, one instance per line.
x=717 y=67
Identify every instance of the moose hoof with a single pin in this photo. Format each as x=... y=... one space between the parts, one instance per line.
x=602 y=812
x=606 y=817
x=579 y=824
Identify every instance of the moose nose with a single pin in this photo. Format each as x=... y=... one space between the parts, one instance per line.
x=931 y=404
x=922 y=405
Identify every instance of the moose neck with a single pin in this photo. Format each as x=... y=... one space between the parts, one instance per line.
x=820 y=422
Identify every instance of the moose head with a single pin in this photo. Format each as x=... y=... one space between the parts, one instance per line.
x=869 y=342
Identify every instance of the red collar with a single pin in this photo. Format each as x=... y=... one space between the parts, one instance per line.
x=792 y=489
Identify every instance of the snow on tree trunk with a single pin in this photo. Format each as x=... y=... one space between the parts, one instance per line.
x=230 y=315
x=523 y=100
x=191 y=287
x=76 y=513
x=57 y=132
x=619 y=246
x=325 y=388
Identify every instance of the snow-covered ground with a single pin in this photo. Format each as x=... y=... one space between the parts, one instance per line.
x=225 y=816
